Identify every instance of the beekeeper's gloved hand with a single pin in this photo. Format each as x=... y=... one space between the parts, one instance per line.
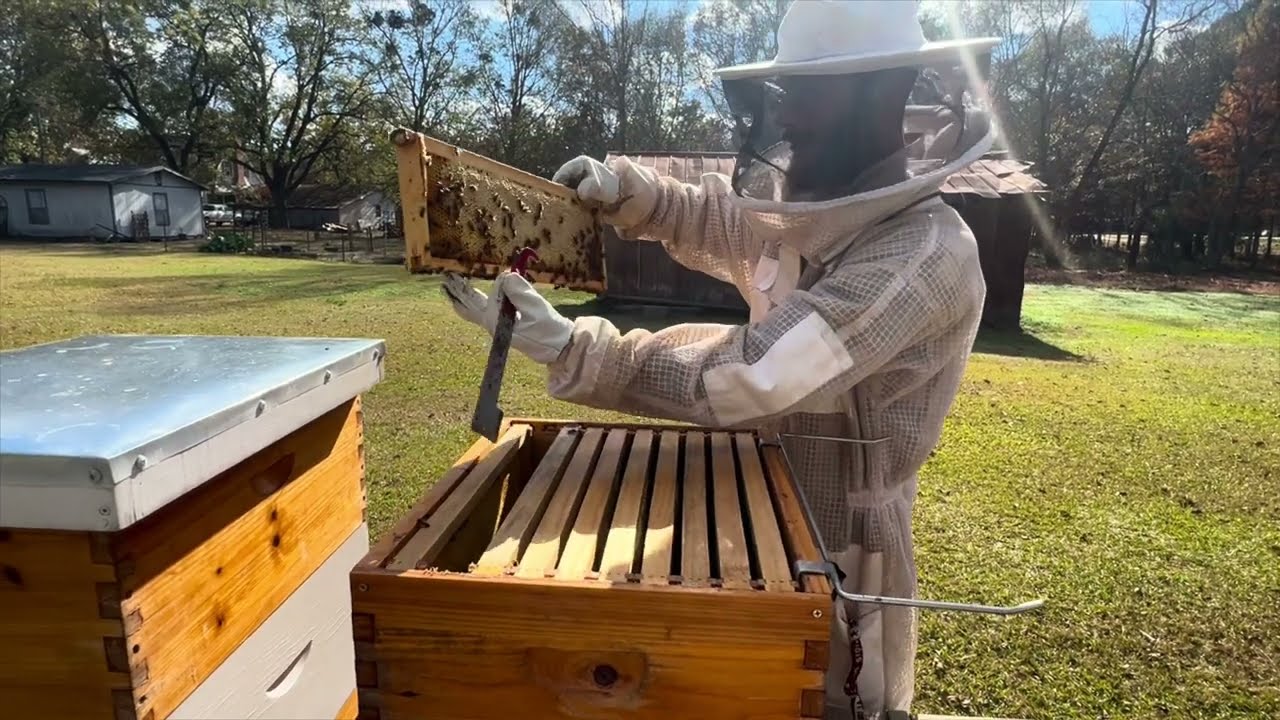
x=539 y=331
x=626 y=193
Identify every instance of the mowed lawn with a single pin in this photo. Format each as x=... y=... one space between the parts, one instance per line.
x=1122 y=460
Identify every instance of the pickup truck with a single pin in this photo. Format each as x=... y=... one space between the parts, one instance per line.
x=215 y=214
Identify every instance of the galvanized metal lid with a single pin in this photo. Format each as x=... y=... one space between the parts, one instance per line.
x=98 y=432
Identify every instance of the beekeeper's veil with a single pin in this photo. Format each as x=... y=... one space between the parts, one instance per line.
x=821 y=37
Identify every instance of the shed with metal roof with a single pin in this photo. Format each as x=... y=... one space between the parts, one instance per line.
x=995 y=195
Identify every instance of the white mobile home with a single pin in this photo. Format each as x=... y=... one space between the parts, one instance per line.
x=98 y=201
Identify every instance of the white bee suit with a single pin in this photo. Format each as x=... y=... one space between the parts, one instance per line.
x=863 y=314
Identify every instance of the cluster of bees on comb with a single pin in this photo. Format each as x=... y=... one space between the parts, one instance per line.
x=481 y=220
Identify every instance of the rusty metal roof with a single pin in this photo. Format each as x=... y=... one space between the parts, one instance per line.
x=990 y=177
x=683 y=166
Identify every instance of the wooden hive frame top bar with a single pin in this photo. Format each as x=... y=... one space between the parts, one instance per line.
x=640 y=505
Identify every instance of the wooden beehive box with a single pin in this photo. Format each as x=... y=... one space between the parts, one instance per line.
x=179 y=517
x=468 y=213
x=606 y=571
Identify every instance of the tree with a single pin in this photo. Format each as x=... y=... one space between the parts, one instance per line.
x=301 y=86
x=166 y=66
x=667 y=110
x=1161 y=177
x=639 y=79
x=611 y=45
x=519 y=89
x=731 y=32
x=46 y=106
x=1243 y=135
x=1150 y=33
x=418 y=59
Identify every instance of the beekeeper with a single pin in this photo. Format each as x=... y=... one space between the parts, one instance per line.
x=864 y=292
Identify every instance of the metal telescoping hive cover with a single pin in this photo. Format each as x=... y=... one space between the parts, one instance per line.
x=98 y=432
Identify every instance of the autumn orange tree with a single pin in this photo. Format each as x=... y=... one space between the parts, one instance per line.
x=1238 y=145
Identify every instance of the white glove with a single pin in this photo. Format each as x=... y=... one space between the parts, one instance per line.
x=626 y=197
x=539 y=331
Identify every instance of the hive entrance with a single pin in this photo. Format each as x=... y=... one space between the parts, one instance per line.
x=624 y=505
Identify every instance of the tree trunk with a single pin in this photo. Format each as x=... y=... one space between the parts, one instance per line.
x=1135 y=238
x=1255 y=242
x=1187 y=240
x=278 y=214
x=1137 y=64
x=1271 y=234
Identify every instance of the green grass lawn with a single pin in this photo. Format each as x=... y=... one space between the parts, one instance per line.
x=1121 y=460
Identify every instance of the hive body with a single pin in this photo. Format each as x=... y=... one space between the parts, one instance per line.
x=573 y=570
x=130 y=624
x=229 y=598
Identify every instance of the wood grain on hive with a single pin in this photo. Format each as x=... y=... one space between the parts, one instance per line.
x=138 y=620
x=468 y=213
x=638 y=571
x=227 y=600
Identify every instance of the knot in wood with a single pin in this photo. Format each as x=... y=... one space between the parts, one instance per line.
x=604 y=675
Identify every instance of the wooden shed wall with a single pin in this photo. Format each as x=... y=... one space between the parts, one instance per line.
x=641 y=271
x=991 y=195
x=1002 y=227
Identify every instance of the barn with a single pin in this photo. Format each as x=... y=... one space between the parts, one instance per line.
x=995 y=195
x=98 y=201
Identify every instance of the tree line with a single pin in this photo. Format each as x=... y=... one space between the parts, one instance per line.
x=1160 y=137
x=1161 y=132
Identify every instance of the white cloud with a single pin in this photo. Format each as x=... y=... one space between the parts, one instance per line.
x=157 y=46
x=580 y=14
x=489 y=10
x=1019 y=18
x=283 y=83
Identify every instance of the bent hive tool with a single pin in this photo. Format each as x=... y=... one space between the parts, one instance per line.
x=828 y=568
x=488 y=416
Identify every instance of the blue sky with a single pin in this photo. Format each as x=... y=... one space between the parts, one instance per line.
x=1107 y=16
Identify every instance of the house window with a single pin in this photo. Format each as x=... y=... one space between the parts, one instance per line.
x=160 y=201
x=37 y=208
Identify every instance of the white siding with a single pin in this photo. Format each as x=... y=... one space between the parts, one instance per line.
x=363 y=212
x=76 y=210
x=185 y=216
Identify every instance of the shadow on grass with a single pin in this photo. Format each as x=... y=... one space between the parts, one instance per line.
x=172 y=294
x=1017 y=343
x=628 y=316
